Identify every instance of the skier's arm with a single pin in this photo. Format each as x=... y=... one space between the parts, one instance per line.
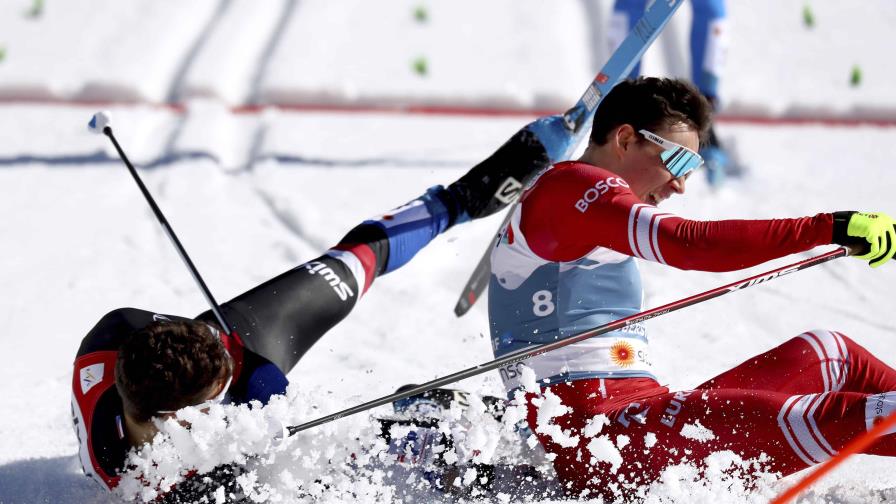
x=564 y=219
x=259 y=380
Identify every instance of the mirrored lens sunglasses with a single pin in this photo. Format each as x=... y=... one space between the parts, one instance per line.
x=677 y=158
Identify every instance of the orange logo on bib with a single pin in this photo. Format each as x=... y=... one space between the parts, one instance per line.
x=622 y=353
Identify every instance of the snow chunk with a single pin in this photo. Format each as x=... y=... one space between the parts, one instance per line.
x=470 y=476
x=595 y=425
x=603 y=450
x=527 y=379
x=697 y=432
x=649 y=440
x=721 y=477
x=550 y=407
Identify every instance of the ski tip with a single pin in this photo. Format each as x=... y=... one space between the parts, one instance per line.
x=99 y=122
x=462 y=307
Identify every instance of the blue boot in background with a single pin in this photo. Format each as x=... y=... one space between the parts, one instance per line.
x=716 y=161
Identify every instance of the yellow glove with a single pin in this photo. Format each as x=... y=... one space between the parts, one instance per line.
x=873 y=233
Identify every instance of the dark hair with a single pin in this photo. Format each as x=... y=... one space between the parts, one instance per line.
x=653 y=104
x=168 y=366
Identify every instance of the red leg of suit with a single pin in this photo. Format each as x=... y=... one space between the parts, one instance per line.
x=815 y=361
x=797 y=404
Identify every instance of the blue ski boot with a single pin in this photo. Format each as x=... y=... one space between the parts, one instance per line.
x=716 y=161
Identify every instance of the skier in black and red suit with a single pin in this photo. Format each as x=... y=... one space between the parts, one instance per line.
x=136 y=365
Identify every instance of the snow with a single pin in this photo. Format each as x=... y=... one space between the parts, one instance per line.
x=345 y=66
x=252 y=195
x=99 y=49
x=602 y=449
x=510 y=54
x=697 y=432
x=595 y=425
x=232 y=55
x=549 y=407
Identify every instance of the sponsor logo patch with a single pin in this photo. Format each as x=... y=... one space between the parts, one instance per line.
x=622 y=354
x=879 y=407
x=633 y=412
x=508 y=190
x=339 y=287
x=91 y=375
x=600 y=187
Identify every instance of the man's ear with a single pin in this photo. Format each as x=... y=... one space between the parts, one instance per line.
x=219 y=385
x=623 y=139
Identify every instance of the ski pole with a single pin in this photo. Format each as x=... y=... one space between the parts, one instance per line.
x=99 y=123
x=525 y=353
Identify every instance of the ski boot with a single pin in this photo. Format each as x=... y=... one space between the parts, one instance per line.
x=718 y=162
x=498 y=180
x=418 y=441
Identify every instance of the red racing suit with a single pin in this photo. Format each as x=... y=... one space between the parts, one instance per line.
x=564 y=264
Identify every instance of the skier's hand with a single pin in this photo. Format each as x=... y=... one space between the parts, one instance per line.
x=871 y=234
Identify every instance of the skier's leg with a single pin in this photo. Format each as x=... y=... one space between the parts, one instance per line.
x=646 y=434
x=815 y=361
x=283 y=317
x=708 y=45
x=626 y=14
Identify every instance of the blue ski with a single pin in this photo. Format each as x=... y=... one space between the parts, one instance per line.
x=559 y=135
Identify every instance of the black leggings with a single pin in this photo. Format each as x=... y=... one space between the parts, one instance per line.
x=283 y=317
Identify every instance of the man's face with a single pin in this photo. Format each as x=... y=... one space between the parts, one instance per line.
x=642 y=167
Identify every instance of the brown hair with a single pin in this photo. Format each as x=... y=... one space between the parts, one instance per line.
x=168 y=366
x=653 y=104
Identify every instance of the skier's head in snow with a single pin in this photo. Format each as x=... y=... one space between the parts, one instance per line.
x=170 y=365
x=639 y=129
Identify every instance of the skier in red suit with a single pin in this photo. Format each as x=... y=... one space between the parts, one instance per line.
x=566 y=263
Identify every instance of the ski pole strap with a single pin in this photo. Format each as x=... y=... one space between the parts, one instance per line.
x=525 y=353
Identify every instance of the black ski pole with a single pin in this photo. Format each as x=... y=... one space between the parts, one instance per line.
x=525 y=353
x=99 y=123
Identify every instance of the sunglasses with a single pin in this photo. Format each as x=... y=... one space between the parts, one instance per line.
x=677 y=158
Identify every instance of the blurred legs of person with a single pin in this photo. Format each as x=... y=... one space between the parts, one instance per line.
x=708 y=47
